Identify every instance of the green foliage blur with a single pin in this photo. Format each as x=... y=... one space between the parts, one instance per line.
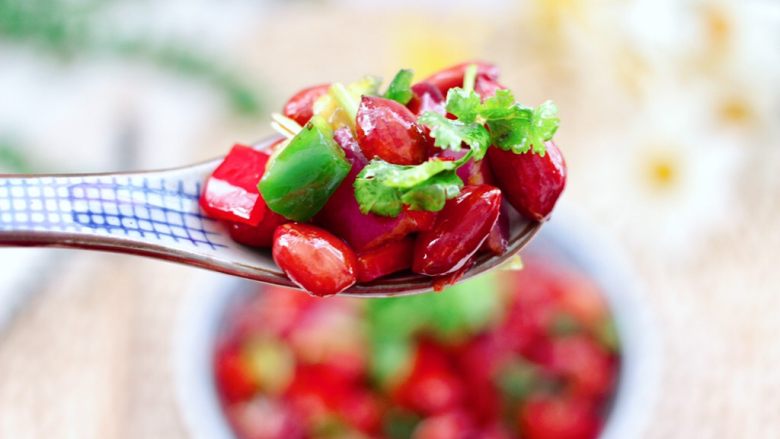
x=451 y=315
x=69 y=30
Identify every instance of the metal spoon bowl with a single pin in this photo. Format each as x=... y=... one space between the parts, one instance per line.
x=156 y=214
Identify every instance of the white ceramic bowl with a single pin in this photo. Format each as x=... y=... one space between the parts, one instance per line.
x=203 y=316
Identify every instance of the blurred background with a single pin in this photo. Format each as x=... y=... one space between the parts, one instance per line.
x=670 y=125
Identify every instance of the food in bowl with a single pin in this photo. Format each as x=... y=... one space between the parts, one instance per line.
x=419 y=173
x=519 y=354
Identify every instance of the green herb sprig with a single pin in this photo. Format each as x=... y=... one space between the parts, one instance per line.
x=384 y=189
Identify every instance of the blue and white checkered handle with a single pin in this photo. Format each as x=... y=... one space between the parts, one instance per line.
x=146 y=209
x=154 y=214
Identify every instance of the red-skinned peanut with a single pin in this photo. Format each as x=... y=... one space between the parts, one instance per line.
x=388 y=258
x=388 y=130
x=314 y=259
x=530 y=182
x=299 y=107
x=453 y=76
x=460 y=229
x=426 y=97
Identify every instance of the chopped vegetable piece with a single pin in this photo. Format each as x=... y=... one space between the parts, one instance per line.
x=313 y=258
x=300 y=107
x=285 y=126
x=388 y=130
x=380 y=187
x=339 y=105
x=530 y=182
x=230 y=193
x=400 y=88
x=389 y=258
x=346 y=140
x=260 y=235
x=302 y=177
x=469 y=77
x=344 y=99
x=460 y=230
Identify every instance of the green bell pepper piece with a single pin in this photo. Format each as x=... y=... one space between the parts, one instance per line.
x=302 y=177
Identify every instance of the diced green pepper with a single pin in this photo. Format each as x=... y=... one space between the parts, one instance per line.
x=302 y=177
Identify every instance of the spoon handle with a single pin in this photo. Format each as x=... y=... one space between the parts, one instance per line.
x=122 y=212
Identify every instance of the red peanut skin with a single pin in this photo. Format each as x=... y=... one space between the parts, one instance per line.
x=453 y=76
x=472 y=172
x=486 y=86
x=426 y=97
x=314 y=259
x=388 y=258
x=450 y=279
x=388 y=130
x=531 y=183
x=299 y=107
x=460 y=229
x=498 y=239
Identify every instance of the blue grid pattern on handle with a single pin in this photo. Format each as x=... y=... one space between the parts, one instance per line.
x=130 y=206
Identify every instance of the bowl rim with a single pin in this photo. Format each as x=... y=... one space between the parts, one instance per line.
x=212 y=295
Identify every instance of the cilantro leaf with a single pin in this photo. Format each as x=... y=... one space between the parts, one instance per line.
x=450 y=134
x=508 y=128
x=544 y=123
x=384 y=188
x=505 y=119
x=432 y=194
x=498 y=106
x=464 y=105
x=400 y=89
x=373 y=195
x=518 y=128
x=405 y=177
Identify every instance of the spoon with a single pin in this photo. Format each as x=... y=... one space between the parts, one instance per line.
x=156 y=214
